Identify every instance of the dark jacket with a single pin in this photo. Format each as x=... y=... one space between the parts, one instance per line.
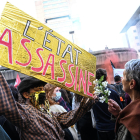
x=84 y=126
x=112 y=87
x=103 y=116
x=120 y=90
x=9 y=128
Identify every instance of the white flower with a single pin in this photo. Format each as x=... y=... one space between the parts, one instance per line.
x=104 y=83
x=97 y=91
x=107 y=91
x=96 y=87
x=100 y=88
x=102 y=99
x=95 y=82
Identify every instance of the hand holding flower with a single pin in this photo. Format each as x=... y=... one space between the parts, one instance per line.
x=113 y=107
x=100 y=88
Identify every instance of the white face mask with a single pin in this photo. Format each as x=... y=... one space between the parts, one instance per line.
x=57 y=97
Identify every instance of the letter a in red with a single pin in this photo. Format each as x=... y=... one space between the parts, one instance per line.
x=49 y=64
x=7 y=44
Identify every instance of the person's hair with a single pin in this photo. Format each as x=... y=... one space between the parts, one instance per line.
x=117 y=78
x=78 y=98
x=31 y=87
x=49 y=89
x=14 y=92
x=70 y=95
x=64 y=95
x=132 y=71
x=100 y=73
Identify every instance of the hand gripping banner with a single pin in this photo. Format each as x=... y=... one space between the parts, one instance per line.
x=32 y=48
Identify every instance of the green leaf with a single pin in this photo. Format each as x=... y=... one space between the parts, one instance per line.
x=106 y=100
x=102 y=78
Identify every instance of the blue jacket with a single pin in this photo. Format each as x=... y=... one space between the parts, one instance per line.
x=103 y=116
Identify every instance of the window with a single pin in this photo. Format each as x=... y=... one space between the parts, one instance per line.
x=56 y=10
x=134 y=31
x=136 y=37
x=138 y=44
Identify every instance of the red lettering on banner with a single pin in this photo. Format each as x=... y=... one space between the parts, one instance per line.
x=62 y=79
x=23 y=41
x=84 y=82
x=41 y=59
x=72 y=77
x=49 y=64
x=89 y=83
x=7 y=44
x=76 y=75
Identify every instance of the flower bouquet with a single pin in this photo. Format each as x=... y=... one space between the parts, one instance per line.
x=100 y=88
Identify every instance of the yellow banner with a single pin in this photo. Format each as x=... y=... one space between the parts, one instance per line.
x=30 y=47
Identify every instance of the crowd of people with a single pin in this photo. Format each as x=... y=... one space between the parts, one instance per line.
x=41 y=111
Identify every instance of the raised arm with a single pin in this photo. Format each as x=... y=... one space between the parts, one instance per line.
x=8 y=106
x=70 y=118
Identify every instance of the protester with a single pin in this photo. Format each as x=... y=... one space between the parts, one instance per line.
x=51 y=95
x=32 y=121
x=65 y=97
x=51 y=91
x=128 y=119
x=84 y=125
x=9 y=128
x=59 y=99
x=105 y=127
x=118 y=85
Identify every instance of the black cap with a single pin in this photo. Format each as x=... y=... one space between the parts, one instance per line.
x=29 y=82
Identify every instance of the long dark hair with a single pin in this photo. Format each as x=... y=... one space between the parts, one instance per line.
x=64 y=95
x=78 y=98
x=14 y=92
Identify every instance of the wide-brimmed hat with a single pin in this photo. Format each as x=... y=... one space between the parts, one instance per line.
x=29 y=82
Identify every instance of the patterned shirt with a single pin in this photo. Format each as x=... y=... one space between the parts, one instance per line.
x=32 y=123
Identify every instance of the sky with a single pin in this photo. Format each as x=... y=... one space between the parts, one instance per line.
x=101 y=20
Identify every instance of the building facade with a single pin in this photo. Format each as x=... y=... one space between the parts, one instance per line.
x=132 y=32
x=59 y=16
x=119 y=56
x=133 y=38
x=10 y=75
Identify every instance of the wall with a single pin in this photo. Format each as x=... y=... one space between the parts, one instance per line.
x=119 y=56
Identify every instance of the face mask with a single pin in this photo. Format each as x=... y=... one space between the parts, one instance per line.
x=57 y=97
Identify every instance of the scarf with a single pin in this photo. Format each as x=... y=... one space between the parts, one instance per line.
x=130 y=118
x=35 y=102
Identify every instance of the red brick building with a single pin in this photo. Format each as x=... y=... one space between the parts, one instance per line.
x=119 y=56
